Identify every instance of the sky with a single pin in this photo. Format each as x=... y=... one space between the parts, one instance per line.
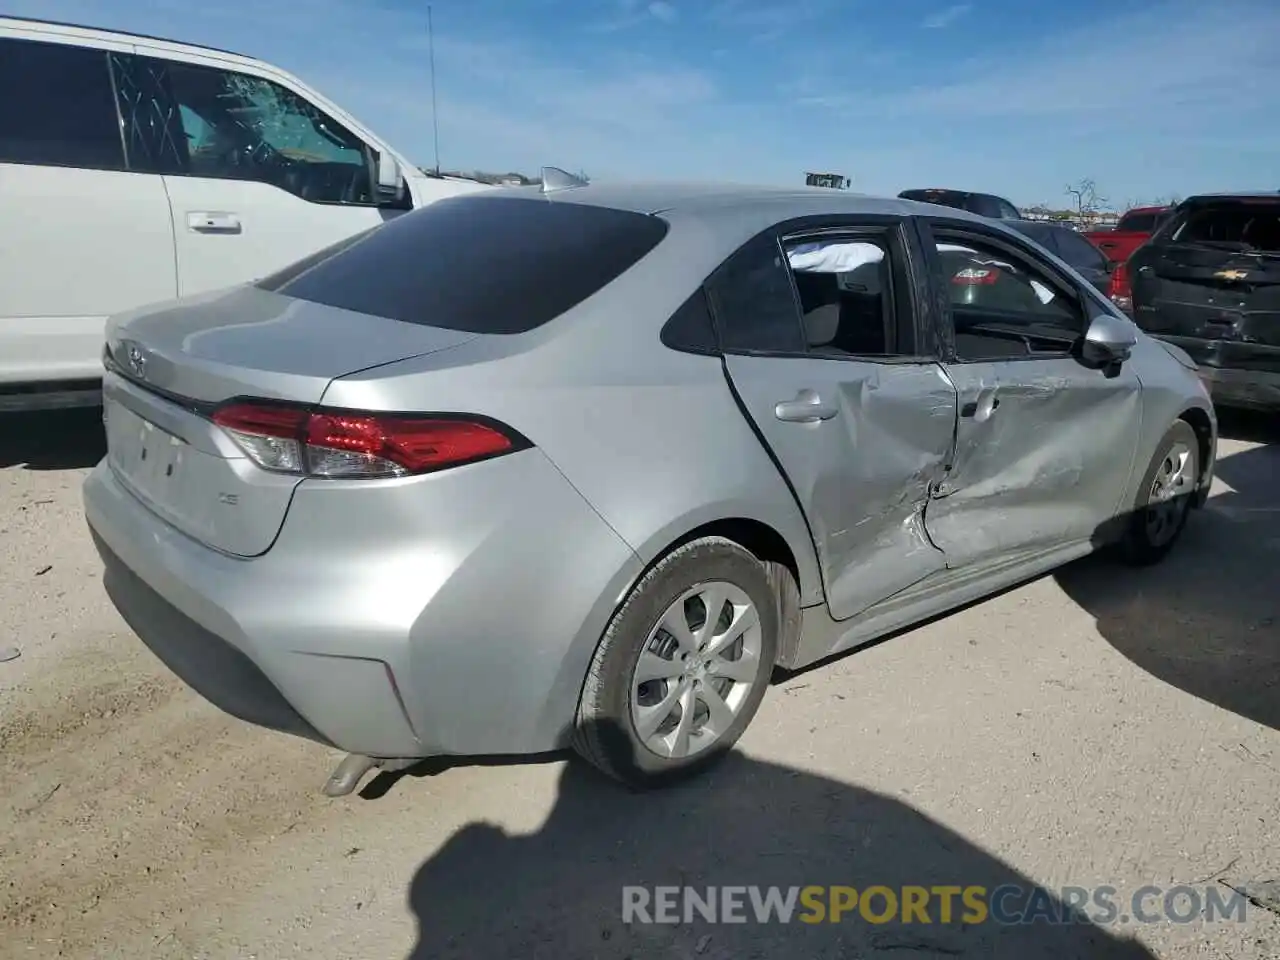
x=1149 y=98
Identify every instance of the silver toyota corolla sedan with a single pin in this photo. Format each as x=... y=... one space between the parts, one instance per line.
x=583 y=465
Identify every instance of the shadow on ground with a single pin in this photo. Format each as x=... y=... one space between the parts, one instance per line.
x=1207 y=619
x=558 y=893
x=1250 y=425
x=52 y=440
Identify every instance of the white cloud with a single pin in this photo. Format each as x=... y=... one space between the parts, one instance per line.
x=633 y=13
x=944 y=18
x=661 y=10
x=766 y=20
x=1195 y=70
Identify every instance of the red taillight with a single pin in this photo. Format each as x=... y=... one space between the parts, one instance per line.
x=976 y=275
x=1121 y=294
x=340 y=443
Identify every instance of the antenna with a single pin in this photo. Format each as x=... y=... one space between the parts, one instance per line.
x=435 y=117
x=553 y=179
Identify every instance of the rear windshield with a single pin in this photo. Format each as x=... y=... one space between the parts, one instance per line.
x=1247 y=225
x=984 y=205
x=479 y=264
x=946 y=198
x=1138 y=222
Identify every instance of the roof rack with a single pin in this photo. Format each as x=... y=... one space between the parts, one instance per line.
x=555 y=179
x=122 y=33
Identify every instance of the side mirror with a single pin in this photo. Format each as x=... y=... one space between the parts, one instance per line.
x=1109 y=340
x=390 y=178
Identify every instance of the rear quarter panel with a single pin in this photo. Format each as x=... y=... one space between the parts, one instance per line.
x=652 y=438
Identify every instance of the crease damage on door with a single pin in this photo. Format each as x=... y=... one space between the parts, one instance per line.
x=902 y=421
x=1026 y=476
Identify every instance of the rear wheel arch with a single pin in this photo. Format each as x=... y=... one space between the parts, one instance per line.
x=778 y=556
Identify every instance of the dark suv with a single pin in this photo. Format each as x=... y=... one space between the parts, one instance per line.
x=1209 y=281
x=983 y=204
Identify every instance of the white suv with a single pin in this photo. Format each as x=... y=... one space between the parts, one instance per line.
x=135 y=170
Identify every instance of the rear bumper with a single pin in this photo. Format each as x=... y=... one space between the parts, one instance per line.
x=454 y=614
x=1258 y=389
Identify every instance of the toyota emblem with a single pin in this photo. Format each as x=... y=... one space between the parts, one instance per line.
x=138 y=362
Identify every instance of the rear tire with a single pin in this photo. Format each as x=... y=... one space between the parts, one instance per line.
x=667 y=695
x=1164 y=498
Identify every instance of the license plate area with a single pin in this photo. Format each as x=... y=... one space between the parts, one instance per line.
x=148 y=458
x=221 y=501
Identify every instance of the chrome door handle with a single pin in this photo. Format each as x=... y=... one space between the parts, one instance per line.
x=807 y=407
x=200 y=221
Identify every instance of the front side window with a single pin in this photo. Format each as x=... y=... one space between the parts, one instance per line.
x=846 y=294
x=1008 y=211
x=56 y=107
x=1003 y=306
x=238 y=127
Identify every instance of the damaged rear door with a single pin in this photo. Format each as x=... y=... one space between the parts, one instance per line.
x=818 y=332
x=1044 y=443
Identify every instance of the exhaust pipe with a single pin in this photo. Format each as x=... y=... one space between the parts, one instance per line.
x=348 y=774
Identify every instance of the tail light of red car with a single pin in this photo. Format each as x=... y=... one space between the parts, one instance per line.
x=1121 y=292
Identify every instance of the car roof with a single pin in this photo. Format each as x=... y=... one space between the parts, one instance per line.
x=751 y=204
x=52 y=29
x=1030 y=227
x=1159 y=208
x=1239 y=195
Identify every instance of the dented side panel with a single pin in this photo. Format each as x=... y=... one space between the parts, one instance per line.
x=862 y=477
x=1044 y=450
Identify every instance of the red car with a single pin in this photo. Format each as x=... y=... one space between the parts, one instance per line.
x=1134 y=229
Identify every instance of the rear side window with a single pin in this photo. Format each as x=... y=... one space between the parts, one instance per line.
x=1244 y=225
x=478 y=264
x=754 y=302
x=985 y=206
x=1008 y=211
x=1079 y=252
x=57 y=107
x=1137 y=223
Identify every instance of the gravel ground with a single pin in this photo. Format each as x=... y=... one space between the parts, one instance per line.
x=1097 y=727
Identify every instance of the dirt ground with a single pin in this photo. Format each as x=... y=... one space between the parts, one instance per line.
x=1097 y=727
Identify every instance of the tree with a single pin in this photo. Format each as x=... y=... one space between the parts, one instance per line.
x=1088 y=200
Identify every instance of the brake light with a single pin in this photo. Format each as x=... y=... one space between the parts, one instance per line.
x=975 y=275
x=346 y=443
x=1121 y=292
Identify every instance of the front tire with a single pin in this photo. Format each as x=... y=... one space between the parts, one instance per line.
x=1164 y=499
x=682 y=668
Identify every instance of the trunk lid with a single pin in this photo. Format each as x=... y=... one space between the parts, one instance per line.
x=250 y=342
x=1212 y=273
x=168 y=367
x=1211 y=292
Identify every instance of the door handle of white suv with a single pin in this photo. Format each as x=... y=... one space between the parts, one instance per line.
x=807 y=407
x=200 y=221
